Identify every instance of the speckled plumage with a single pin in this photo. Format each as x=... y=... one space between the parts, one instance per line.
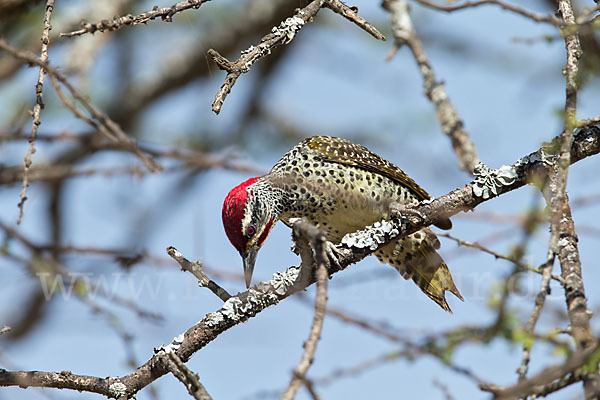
x=342 y=187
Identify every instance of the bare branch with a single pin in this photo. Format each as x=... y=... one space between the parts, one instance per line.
x=513 y=260
x=452 y=124
x=283 y=34
x=165 y=13
x=4 y=329
x=540 y=299
x=195 y=268
x=544 y=378
x=59 y=380
x=588 y=122
x=317 y=239
x=110 y=128
x=444 y=389
x=37 y=108
x=280 y=35
x=189 y=379
x=247 y=304
x=467 y=4
x=351 y=14
x=563 y=241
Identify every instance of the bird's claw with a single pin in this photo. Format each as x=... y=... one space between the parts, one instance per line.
x=333 y=254
x=398 y=210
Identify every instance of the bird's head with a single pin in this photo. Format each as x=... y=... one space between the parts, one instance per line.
x=247 y=219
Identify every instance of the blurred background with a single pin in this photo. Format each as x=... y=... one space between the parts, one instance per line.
x=87 y=285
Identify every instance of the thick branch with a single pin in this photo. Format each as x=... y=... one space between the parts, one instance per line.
x=59 y=380
x=561 y=225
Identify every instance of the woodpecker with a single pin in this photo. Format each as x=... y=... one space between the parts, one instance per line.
x=341 y=187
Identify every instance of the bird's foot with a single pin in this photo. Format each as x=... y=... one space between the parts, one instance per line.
x=398 y=210
x=333 y=254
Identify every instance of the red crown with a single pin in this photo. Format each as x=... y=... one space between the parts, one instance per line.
x=234 y=207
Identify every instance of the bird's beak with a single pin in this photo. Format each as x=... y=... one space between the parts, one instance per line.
x=249 y=260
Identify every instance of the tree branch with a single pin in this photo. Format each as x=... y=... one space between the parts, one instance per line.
x=563 y=241
x=37 y=108
x=497 y=255
x=354 y=248
x=195 y=268
x=280 y=35
x=452 y=124
x=189 y=379
x=166 y=14
x=351 y=14
x=467 y=4
x=103 y=122
x=526 y=387
x=309 y=233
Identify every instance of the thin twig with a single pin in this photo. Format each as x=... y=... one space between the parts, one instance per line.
x=509 y=7
x=195 y=268
x=412 y=348
x=549 y=375
x=586 y=16
x=5 y=329
x=540 y=299
x=351 y=14
x=166 y=14
x=47 y=269
x=444 y=389
x=282 y=34
x=190 y=380
x=37 y=108
x=317 y=239
x=588 y=121
x=513 y=260
x=110 y=128
x=452 y=124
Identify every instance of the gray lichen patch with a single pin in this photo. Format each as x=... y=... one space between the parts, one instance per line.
x=232 y=309
x=214 y=319
x=288 y=28
x=117 y=390
x=282 y=281
x=174 y=345
x=372 y=236
x=488 y=182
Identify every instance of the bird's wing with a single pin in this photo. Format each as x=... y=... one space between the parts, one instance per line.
x=343 y=151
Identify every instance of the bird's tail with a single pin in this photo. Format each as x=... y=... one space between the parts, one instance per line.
x=415 y=257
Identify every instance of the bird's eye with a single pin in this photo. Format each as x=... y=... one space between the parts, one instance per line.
x=251 y=231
